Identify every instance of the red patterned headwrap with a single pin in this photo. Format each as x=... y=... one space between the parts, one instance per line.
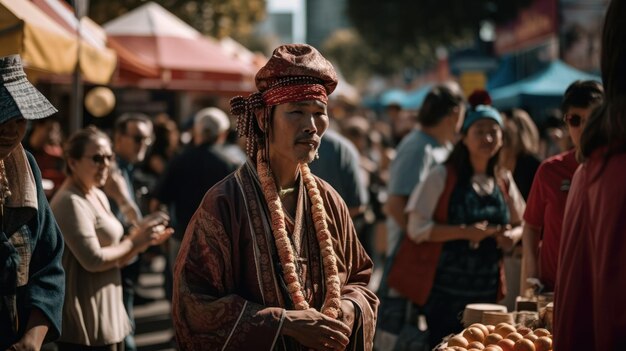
x=295 y=72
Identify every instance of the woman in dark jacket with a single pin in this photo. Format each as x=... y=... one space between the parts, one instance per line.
x=31 y=245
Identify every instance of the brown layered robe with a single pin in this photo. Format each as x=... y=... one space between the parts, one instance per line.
x=229 y=293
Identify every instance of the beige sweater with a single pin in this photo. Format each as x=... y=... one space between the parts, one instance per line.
x=93 y=313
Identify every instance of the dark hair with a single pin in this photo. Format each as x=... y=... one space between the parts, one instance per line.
x=607 y=125
x=459 y=160
x=162 y=131
x=76 y=144
x=552 y=118
x=439 y=102
x=121 y=124
x=260 y=137
x=583 y=94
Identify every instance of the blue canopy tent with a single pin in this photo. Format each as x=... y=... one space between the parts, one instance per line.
x=392 y=97
x=408 y=100
x=504 y=75
x=415 y=98
x=541 y=91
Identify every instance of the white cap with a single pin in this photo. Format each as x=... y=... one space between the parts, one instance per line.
x=212 y=121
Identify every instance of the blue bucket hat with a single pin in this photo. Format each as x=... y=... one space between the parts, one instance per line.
x=481 y=112
x=18 y=97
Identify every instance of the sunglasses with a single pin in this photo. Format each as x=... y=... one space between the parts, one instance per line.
x=573 y=120
x=140 y=139
x=100 y=159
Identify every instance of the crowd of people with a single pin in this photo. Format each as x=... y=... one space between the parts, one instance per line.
x=467 y=204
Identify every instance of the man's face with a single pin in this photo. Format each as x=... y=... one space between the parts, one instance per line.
x=11 y=134
x=297 y=130
x=132 y=145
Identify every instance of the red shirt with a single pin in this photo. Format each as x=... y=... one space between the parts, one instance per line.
x=545 y=209
x=590 y=296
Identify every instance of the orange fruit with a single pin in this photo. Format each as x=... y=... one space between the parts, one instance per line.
x=493 y=348
x=482 y=327
x=542 y=332
x=458 y=340
x=531 y=336
x=490 y=328
x=500 y=325
x=492 y=339
x=514 y=336
x=505 y=329
x=524 y=345
x=474 y=334
x=506 y=344
x=476 y=345
x=524 y=330
x=543 y=343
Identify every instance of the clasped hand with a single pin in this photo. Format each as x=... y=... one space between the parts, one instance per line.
x=316 y=330
x=482 y=230
x=24 y=345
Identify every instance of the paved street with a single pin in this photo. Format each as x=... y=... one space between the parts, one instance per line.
x=154 y=325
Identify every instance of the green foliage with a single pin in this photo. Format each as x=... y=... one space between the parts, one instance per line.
x=217 y=18
x=351 y=54
x=409 y=31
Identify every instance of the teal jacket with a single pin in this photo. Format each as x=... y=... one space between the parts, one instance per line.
x=41 y=249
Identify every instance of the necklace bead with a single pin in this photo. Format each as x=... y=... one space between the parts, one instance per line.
x=5 y=192
x=285 y=249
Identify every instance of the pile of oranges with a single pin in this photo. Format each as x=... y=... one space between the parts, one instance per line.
x=501 y=337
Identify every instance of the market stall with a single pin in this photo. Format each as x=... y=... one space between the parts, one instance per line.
x=490 y=327
x=182 y=56
x=52 y=41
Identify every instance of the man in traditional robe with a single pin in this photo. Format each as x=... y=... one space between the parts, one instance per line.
x=271 y=260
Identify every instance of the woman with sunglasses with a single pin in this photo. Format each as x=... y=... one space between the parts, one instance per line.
x=546 y=202
x=94 y=317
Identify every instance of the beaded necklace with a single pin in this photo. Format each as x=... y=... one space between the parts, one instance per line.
x=5 y=192
x=331 y=306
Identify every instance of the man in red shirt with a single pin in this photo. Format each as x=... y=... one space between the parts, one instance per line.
x=543 y=217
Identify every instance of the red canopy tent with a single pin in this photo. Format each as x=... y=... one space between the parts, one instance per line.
x=157 y=50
